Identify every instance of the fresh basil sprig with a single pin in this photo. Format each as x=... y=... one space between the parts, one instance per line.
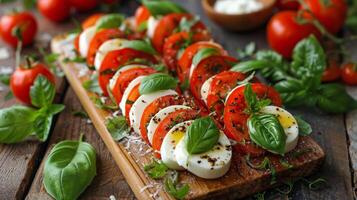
x=204 y=53
x=156 y=169
x=254 y=104
x=69 y=169
x=201 y=136
x=42 y=92
x=156 y=82
x=266 y=131
x=118 y=127
x=140 y=45
x=175 y=189
x=304 y=127
x=109 y=21
x=162 y=7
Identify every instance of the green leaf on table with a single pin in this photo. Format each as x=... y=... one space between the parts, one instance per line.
x=118 y=127
x=162 y=7
x=304 y=127
x=5 y=79
x=156 y=82
x=178 y=191
x=42 y=92
x=92 y=84
x=109 y=21
x=69 y=169
x=156 y=169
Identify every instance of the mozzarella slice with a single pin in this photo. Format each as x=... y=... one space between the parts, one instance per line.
x=288 y=122
x=105 y=48
x=205 y=89
x=141 y=103
x=172 y=138
x=158 y=117
x=209 y=165
x=127 y=91
x=152 y=24
x=121 y=70
x=84 y=40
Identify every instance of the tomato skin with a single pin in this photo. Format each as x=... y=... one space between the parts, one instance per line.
x=332 y=72
x=91 y=20
x=54 y=10
x=287 y=5
x=349 y=73
x=27 y=23
x=331 y=16
x=235 y=119
x=76 y=43
x=283 y=32
x=185 y=61
x=83 y=5
x=22 y=80
x=142 y=14
x=116 y=59
x=133 y=96
x=176 y=42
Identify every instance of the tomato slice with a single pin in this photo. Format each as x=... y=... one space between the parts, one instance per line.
x=235 y=119
x=167 y=26
x=177 y=42
x=155 y=107
x=125 y=78
x=167 y=123
x=115 y=60
x=98 y=39
x=91 y=20
x=185 y=61
x=132 y=97
x=76 y=42
x=142 y=14
x=207 y=68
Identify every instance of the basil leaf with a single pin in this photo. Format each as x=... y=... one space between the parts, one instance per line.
x=204 y=53
x=247 y=51
x=16 y=123
x=201 y=136
x=270 y=56
x=186 y=24
x=69 y=169
x=118 y=127
x=143 y=26
x=109 y=21
x=304 y=127
x=253 y=103
x=171 y=187
x=42 y=125
x=42 y=92
x=156 y=169
x=309 y=59
x=92 y=84
x=266 y=131
x=162 y=7
x=293 y=92
x=139 y=45
x=156 y=82
x=251 y=65
x=5 y=79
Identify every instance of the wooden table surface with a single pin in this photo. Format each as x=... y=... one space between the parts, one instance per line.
x=21 y=165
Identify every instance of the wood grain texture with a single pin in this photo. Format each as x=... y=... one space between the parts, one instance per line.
x=108 y=181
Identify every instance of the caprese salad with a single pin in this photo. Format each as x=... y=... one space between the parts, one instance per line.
x=228 y=108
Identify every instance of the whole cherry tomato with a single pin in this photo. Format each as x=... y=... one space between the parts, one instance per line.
x=23 y=78
x=284 y=32
x=349 y=73
x=288 y=4
x=83 y=5
x=54 y=10
x=24 y=22
x=332 y=72
x=331 y=14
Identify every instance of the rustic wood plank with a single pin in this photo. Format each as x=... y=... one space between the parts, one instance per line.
x=109 y=180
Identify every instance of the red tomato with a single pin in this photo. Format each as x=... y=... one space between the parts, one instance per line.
x=235 y=119
x=76 y=43
x=54 y=10
x=207 y=68
x=132 y=97
x=185 y=61
x=332 y=72
x=116 y=59
x=332 y=15
x=23 y=78
x=155 y=107
x=142 y=14
x=98 y=39
x=167 y=26
x=24 y=21
x=91 y=20
x=287 y=4
x=349 y=73
x=177 y=42
x=125 y=78
x=83 y=5
x=284 y=32
x=167 y=123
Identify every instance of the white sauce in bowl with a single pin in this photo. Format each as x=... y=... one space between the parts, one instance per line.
x=237 y=6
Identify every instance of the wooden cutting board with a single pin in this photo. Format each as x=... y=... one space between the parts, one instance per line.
x=132 y=154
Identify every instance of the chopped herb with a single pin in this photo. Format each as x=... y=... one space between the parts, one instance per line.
x=315 y=184
x=285 y=164
x=156 y=169
x=102 y=105
x=264 y=165
x=77 y=59
x=174 y=189
x=118 y=127
x=92 y=84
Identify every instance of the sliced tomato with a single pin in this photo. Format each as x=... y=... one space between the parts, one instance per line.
x=185 y=60
x=91 y=20
x=167 y=26
x=155 y=107
x=177 y=42
x=125 y=78
x=76 y=42
x=167 y=123
x=221 y=85
x=99 y=38
x=235 y=119
x=132 y=97
x=115 y=60
x=207 y=68
x=142 y=14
